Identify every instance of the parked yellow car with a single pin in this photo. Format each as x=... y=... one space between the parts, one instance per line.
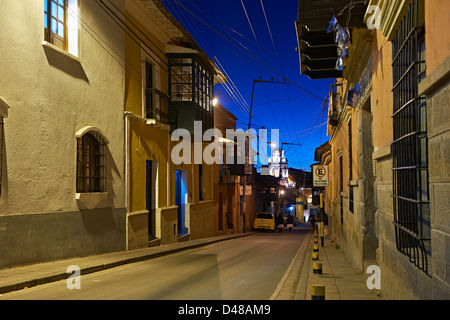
x=264 y=221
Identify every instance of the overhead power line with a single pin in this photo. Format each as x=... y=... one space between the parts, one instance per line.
x=247 y=53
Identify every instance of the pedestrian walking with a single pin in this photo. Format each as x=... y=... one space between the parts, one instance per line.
x=290 y=222
x=279 y=222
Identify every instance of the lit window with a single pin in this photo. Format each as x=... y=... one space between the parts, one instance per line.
x=91 y=163
x=55 y=22
x=61 y=24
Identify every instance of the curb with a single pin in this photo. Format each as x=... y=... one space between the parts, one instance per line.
x=302 y=287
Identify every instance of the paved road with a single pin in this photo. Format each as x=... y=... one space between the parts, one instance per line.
x=249 y=268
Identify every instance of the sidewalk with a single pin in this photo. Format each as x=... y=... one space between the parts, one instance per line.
x=28 y=276
x=340 y=280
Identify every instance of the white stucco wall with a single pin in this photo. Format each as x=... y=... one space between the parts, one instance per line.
x=51 y=95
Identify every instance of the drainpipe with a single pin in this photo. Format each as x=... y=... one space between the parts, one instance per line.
x=127 y=170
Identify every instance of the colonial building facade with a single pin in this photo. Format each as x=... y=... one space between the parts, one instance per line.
x=169 y=85
x=388 y=123
x=62 y=129
x=90 y=94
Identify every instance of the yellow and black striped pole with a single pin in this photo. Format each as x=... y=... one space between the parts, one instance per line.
x=315 y=248
x=315 y=256
x=317 y=267
x=318 y=292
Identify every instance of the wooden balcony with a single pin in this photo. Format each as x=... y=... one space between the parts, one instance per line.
x=317 y=48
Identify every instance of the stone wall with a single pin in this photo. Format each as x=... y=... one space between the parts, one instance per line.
x=437 y=89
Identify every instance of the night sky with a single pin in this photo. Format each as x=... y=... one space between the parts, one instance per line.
x=260 y=44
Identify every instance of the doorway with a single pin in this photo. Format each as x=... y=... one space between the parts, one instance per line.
x=150 y=195
x=221 y=204
x=181 y=199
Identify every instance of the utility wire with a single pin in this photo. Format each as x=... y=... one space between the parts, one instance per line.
x=251 y=56
x=248 y=19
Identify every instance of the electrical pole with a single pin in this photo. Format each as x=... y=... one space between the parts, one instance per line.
x=247 y=143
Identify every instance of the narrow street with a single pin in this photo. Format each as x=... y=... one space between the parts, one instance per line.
x=249 y=268
x=142 y=141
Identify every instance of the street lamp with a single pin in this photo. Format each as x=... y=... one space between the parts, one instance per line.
x=215 y=101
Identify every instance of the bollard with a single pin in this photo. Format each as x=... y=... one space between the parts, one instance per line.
x=322 y=235
x=317 y=267
x=318 y=292
x=316 y=240
x=315 y=248
x=315 y=256
x=315 y=233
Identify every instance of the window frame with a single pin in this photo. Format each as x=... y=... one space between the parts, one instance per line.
x=341 y=186
x=181 y=76
x=50 y=36
x=155 y=102
x=91 y=163
x=411 y=199
x=351 y=197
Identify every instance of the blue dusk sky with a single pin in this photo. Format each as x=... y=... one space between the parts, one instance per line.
x=256 y=40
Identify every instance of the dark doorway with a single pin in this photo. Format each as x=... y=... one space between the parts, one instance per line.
x=180 y=199
x=150 y=196
x=221 y=211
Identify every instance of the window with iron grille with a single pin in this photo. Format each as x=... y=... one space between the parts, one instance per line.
x=91 y=163
x=55 y=22
x=181 y=79
x=409 y=148
x=191 y=91
x=2 y=146
x=156 y=102
x=350 y=169
x=341 y=186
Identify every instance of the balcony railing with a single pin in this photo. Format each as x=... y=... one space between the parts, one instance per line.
x=156 y=105
x=366 y=85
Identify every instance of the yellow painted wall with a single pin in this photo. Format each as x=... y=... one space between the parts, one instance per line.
x=437 y=26
x=147 y=143
x=382 y=97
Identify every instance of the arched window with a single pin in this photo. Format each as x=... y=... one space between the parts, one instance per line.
x=91 y=163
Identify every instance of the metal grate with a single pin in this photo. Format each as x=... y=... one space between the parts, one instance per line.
x=409 y=149
x=91 y=163
x=341 y=186
x=157 y=105
x=351 y=197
